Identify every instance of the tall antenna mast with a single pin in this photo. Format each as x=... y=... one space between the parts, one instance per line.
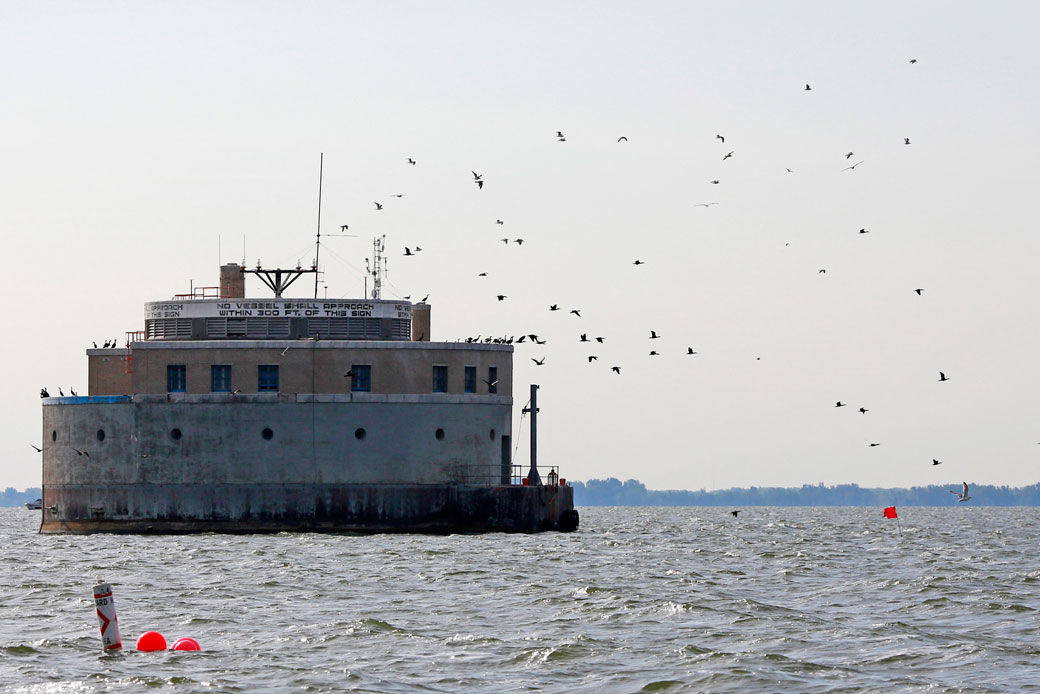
x=378 y=267
x=317 y=245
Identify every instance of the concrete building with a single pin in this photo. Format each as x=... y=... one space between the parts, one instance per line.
x=243 y=415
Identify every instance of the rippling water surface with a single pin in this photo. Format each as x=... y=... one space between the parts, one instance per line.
x=639 y=599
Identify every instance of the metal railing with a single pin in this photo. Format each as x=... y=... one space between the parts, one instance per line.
x=500 y=475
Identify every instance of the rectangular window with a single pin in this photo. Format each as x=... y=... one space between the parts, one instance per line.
x=471 y=379
x=220 y=378
x=267 y=377
x=492 y=381
x=440 y=379
x=361 y=380
x=176 y=378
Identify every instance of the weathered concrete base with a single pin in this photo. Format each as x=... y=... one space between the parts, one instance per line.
x=253 y=508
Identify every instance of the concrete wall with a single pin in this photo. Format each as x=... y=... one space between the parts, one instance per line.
x=305 y=366
x=314 y=439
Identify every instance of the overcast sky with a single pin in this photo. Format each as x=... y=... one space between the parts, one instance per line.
x=144 y=143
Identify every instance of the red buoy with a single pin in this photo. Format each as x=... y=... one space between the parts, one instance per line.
x=185 y=644
x=151 y=641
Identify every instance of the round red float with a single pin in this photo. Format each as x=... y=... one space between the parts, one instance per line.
x=185 y=644
x=151 y=641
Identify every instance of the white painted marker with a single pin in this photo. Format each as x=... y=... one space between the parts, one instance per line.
x=106 y=612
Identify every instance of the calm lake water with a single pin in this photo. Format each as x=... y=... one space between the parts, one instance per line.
x=639 y=599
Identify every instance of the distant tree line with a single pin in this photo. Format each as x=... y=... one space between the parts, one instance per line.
x=614 y=492
x=13 y=497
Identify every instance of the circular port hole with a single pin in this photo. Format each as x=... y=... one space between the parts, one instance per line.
x=267 y=434
x=359 y=434
x=100 y=434
x=439 y=434
x=175 y=434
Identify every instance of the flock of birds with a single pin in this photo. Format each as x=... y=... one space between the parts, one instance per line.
x=478 y=179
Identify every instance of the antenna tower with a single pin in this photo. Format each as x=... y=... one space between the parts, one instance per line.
x=377 y=268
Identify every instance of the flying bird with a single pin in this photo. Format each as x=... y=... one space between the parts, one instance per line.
x=554 y=307
x=918 y=291
x=501 y=297
x=343 y=227
x=378 y=206
x=715 y=182
x=584 y=338
x=689 y=350
x=518 y=242
x=942 y=377
x=935 y=461
x=616 y=369
x=906 y=140
x=913 y=61
x=849 y=155
x=839 y=404
x=963 y=495
x=863 y=410
x=734 y=513
x=539 y=363
x=653 y=353
x=591 y=357
x=38 y=450
x=599 y=339
x=705 y=204
x=411 y=161
x=348 y=374
x=408 y=251
x=559 y=134
x=864 y=231
x=728 y=155
x=639 y=262
x=720 y=137
x=499 y=221
x=576 y=312
x=482 y=274
x=850 y=168
x=808 y=88
x=622 y=138
x=874 y=444
x=654 y=335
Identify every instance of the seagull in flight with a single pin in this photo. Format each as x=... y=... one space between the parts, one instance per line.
x=639 y=262
x=863 y=410
x=808 y=88
x=906 y=140
x=478 y=179
x=849 y=155
x=622 y=138
x=539 y=363
x=654 y=335
x=850 y=168
x=942 y=377
x=918 y=291
x=576 y=312
x=591 y=357
x=839 y=404
x=411 y=161
x=378 y=206
x=936 y=461
x=913 y=61
x=343 y=227
x=734 y=513
x=728 y=155
x=963 y=495
x=616 y=369
x=720 y=137
x=705 y=204
x=38 y=450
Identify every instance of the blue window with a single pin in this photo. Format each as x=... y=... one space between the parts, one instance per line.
x=267 y=377
x=220 y=378
x=492 y=381
x=440 y=379
x=471 y=380
x=361 y=381
x=176 y=378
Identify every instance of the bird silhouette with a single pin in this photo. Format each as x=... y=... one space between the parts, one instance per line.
x=95 y=344
x=44 y=393
x=600 y=339
x=38 y=450
x=538 y=362
x=874 y=444
x=728 y=155
x=913 y=61
x=734 y=513
x=639 y=262
x=823 y=271
x=715 y=182
x=622 y=138
x=851 y=168
x=501 y=297
x=348 y=374
x=505 y=241
x=942 y=377
x=720 y=137
x=576 y=312
x=864 y=231
x=592 y=357
x=61 y=393
x=482 y=274
x=689 y=350
x=73 y=392
x=839 y=404
x=518 y=242
x=554 y=307
x=849 y=155
x=808 y=88
x=408 y=251
x=344 y=227
x=499 y=221
x=918 y=291
x=411 y=161
x=378 y=206
x=584 y=338
x=906 y=140
x=616 y=369
x=936 y=461
x=654 y=335
x=863 y=410
x=653 y=353
x=963 y=495
x=705 y=204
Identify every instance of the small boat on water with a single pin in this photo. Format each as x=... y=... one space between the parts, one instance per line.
x=34 y=505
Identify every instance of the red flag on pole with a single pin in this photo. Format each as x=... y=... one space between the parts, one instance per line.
x=890 y=512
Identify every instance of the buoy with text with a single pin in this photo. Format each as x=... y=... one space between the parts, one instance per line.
x=106 y=612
